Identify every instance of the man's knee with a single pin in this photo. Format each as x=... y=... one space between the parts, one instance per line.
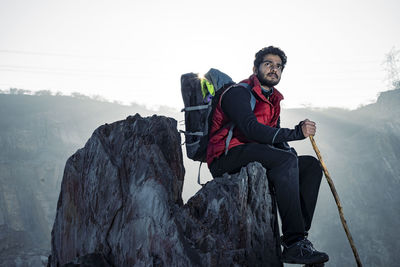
x=285 y=165
x=316 y=165
x=290 y=160
x=311 y=164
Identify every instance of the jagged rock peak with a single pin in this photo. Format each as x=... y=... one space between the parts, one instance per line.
x=232 y=220
x=120 y=205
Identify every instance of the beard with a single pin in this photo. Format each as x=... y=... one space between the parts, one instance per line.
x=268 y=80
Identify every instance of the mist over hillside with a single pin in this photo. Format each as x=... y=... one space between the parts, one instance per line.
x=361 y=149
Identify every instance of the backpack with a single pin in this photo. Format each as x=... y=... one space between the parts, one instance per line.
x=200 y=97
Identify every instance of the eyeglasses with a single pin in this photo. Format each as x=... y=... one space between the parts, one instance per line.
x=268 y=64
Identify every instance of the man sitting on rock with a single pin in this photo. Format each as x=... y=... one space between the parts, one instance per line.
x=257 y=136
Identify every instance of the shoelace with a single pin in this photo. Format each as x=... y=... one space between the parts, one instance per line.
x=308 y=242
x=307 y=246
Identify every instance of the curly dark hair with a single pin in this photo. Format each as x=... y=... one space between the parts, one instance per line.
x=270 y=50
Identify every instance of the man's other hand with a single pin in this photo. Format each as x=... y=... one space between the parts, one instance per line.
x=308 y=127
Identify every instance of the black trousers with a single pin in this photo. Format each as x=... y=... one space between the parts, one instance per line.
x=296 y=181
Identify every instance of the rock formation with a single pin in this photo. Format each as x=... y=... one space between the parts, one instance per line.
x=232 y=220
x=120 y=205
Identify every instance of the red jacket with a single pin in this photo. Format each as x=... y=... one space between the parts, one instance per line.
x=266 y=111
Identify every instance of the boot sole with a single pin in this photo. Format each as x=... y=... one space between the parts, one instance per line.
x=307 y=263
x=315 y=265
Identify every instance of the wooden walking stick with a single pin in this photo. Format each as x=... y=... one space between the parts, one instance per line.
x=335 y=195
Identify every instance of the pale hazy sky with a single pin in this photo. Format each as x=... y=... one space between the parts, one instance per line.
x=135 y=51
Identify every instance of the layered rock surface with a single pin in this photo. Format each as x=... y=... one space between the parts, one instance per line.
x=120 y=205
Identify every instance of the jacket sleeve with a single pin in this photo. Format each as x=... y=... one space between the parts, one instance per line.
x=284 y=145
x=235 y=104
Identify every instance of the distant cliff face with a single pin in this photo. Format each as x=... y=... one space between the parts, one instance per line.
x=120 y=204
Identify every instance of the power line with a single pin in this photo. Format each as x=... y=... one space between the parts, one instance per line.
x=316 y=61
x=37 y=53
x=65 y=71
x=33 y=53
x=16 y=68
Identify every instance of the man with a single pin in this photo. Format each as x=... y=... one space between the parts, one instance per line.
x=257 y=136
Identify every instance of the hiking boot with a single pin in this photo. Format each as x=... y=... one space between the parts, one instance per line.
x=303 y=252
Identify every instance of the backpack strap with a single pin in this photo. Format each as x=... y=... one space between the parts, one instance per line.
x=192 y=108
x=252 y=104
